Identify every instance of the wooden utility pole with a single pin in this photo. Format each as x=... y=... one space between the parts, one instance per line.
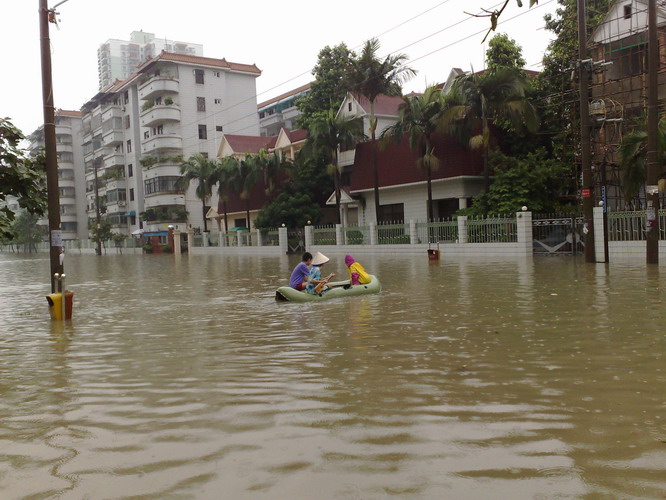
x=652 y=192
x=55 y=235
x=587 y=191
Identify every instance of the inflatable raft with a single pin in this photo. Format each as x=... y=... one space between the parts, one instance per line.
x=338 y=289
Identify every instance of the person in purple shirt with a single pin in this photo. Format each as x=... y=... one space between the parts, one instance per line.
x=300 y=274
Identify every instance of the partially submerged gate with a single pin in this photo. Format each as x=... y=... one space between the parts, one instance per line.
x=558 y=235
x=296 y=241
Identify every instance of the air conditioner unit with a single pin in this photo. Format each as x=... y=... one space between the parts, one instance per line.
x=122 y=203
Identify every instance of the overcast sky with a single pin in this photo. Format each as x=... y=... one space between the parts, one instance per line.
x=281 y=38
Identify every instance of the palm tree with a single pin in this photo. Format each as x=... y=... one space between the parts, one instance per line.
x=371 y=76
x=477 y=99
x=419 y=119
x=271 y=166
x=633 y=158
x=201 y=169
x=243 y=176
x=222 y=178
x=328 y=133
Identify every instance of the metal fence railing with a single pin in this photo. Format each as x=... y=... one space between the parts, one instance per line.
x=270 y=237
x=626 y=226
x=445 y=231
x=324 y=235
x=393 y=233
x=492 y=230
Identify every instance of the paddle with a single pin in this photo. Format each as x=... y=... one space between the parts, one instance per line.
x=322 y=283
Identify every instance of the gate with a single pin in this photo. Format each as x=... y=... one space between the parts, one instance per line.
x=296 y=241
x=558 y=235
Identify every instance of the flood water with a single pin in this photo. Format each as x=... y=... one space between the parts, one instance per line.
x=463 y=379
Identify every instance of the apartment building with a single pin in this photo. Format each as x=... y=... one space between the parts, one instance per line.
x=138 y=132
x=118 y=59
x=280 y=112
x=71 y=175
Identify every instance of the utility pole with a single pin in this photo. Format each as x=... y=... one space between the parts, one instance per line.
x=587 y=191
x=55 y=235
x=652 y=191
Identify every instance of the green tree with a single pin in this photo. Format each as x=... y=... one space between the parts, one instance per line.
x=418 y=119
x=202 y=170
x=21 y=176
x=27 y=232
x=476 y=100
x=222 y=176
x=103 y=233
x=633 y=159
x=371 y=76
x=535 y=181
x=272 y=166
x=330 y=85
x=328 y=134
x=504 y=52
x=243 y=177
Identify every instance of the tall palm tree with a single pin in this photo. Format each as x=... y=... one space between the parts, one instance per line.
x=328 y=133
x=271 y=166
x=370 y=76
x=243 y=176
x=476 y=100
x=222 y=178
x=201 y=169
x=633 y=158
x=418 y=119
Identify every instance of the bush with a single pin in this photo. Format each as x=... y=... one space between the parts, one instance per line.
x=148 y=248
x=354 y=237
x=167 y=249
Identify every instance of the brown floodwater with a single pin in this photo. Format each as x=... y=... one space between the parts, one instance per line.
x=463 y=379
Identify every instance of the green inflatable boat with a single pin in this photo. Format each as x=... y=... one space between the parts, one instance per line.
x=338 y=289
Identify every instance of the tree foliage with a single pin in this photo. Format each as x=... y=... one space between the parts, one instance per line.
x=21 y=176
x=504 y=52
x=200 y=169
x=330 y=85
x=633 y=158
x=25 y=230
x=536 y=181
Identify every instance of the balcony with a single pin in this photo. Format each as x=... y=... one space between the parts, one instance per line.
x=64 y=147
x=115 y=183
x=115 y=159
x=158 y=85
x=160 y=114
x=112 y=137
x=66 y=182
x=63 y=129
x=111 y=111
x=68 y=199
x=161 y=142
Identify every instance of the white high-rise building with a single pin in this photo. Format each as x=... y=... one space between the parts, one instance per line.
x=118 y=59
x=71 y=176
x=138 y=132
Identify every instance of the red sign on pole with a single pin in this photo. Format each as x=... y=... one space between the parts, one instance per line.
x=586 y=193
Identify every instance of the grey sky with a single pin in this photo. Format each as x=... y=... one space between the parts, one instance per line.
x=282 y=38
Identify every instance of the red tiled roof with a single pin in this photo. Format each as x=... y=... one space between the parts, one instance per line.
x=397 y=163
x=385 y=105
x=284 y=96
x=68 y=112
x=296 y=135
x=250 y=144
x=204 y=61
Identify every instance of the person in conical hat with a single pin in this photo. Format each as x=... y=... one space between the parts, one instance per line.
x=316 y=285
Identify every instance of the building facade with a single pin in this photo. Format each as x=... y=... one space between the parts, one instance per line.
x=280 y=112
x=118 y=59
x=71 y=173
x=139 y=131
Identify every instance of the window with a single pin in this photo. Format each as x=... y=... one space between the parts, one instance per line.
x=218 y=128
x=218 y=101
x=158 y=101
x=627 y=11
x=129 y=146
x=126 y=97
x=239 y=222
x=204 y=154
x=392 y=213
x=201 y=104
x=198 y=76
x=130 y=170
x=131 y=194
x=133 y=219
x=159 y=130
x=203 y=134
x=216 y=73
x=146 y=134
x=165 y=184
x=349 y=106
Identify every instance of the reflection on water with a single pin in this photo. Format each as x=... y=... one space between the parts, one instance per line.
x=462 y=379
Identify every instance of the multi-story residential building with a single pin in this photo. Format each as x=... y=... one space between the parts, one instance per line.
x=138 y=132
x=71 y=177
x=280 y=112
x=118 y=59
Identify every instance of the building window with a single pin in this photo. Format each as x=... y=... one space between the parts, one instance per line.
x=131 y=194
x=392 y=213
x=239 y=222
x=198 y=76
x=204 y=154
x=218 y=101
x=130 y=170
x=146 y=135
x=165 y=184
x=201 y=104
x=627 y=11
x=129 y=146
x=126 y=97
x=203 y=134
x=218 y=128
x=159 y=130
x=127 y=121
x=349 y=106
x=216 y=73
